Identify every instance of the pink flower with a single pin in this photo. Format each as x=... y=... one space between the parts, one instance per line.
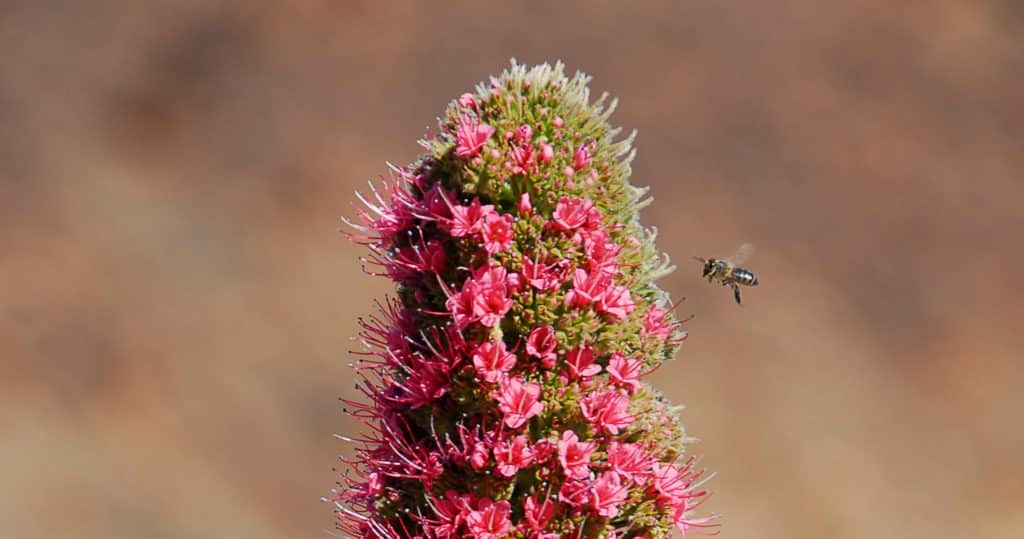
x=497 y=232
x=492 y=361
x=616 y=302
x=478 y=456
x=607 y=410
x=540 y=276
x=587 y=288
x=467 y=100
x=467 y=220
x=490 y=303
x=427 y=383
x=580 y=362
x=601 y=252
x=541 y=345
x=470 y=136
x=547 y=153
x=514 y=283
x=543 y=449
x=524 y=134
x=435 y=205
x=581 y=159
x=522 y=157
x=669 y=484
x=433 y=257
x=413 y=260
x=450 y=512
x=490 y=520
x=518 y=400
x=491 y=275
x=469 y=449
x=624 y=372
x=538 y=514
x=374 y=485
x=607 y=493
x=524 y=207
x=681 y=518
x=575 y=455
x=571 y=213
x=629 y=461
x=496 y=276
x=574 y=492
x=463 y=305
x=654 y=323
x=513 y=455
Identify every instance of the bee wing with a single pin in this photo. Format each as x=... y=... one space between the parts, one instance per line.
x=742 y=254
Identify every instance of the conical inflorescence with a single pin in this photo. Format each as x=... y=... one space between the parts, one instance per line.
x=503 y=385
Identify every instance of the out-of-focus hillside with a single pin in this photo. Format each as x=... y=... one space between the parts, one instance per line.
x=175 y=303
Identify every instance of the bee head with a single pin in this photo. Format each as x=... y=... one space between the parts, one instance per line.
x=709 y=267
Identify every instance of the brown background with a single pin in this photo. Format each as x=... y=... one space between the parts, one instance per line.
x=175 y=302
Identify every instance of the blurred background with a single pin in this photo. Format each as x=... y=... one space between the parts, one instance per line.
x=175 y=301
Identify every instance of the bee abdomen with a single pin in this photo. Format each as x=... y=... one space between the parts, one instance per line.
x=744 y=277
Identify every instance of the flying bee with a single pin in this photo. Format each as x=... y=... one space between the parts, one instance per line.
x=728 y=272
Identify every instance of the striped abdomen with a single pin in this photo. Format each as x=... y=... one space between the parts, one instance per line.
x=744 y=277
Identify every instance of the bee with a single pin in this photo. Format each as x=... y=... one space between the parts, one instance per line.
x=728 y=272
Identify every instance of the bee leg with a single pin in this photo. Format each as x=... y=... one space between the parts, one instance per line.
x=736 y=294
